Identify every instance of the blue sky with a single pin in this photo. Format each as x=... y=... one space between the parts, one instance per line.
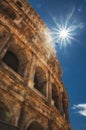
x=72 y=56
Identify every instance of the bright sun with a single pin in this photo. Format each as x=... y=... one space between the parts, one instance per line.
x=63 y=33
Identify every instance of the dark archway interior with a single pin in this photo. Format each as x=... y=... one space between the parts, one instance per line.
x=40 y=81
x=35 y=126
x=11 y=60
x=19 y=3
x=4 y=113
x=55 y=96
x=7 y=11
x=36 y=82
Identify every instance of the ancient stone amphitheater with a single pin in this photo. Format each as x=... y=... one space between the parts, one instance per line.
x=32 y=95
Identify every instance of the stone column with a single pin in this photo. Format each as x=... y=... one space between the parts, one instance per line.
x=31 y=71
x=60 y=103
x=22 y=116
x=15 y=113
x=60 y=106
x=5 y=46
x=50 y=124
x=49 y=89
x=65 y=106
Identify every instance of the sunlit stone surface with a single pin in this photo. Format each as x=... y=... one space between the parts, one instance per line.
x=32 y=95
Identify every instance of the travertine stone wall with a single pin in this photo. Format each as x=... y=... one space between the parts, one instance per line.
x=32 y=95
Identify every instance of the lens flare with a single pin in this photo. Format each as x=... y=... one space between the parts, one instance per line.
x=65 y=32
x=64 y=35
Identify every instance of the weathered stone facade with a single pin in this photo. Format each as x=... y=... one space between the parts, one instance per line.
x=32 y=95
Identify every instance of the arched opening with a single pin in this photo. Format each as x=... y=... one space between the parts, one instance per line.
x=19 y=3
x=55 y=96
x=7 y=11
x=11 y=60
x=5 y=115
x=40 y=81
x=35 y=126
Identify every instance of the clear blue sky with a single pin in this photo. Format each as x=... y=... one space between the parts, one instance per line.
x=73 y=56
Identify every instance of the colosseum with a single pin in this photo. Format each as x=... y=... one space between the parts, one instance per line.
x=32 y=95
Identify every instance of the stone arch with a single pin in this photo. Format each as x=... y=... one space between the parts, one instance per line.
x=34 y=126
x=4 y=38
x=16 y=58
x=19 y=3
x=55 y=96
x=5 y=114
x=7 y=11
x=11 y=60
x=40 y=80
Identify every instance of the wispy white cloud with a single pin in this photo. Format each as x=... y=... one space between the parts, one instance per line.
x=80 y=108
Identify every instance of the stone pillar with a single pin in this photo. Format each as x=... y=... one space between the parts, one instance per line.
x=5 y=46
x=31 y=72
x=15 y=113
x=50 y=124
x=22 y=117
x=49 y=89
x=65 y=107
x=60 y=103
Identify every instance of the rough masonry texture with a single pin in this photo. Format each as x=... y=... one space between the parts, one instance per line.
x=32 y=95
